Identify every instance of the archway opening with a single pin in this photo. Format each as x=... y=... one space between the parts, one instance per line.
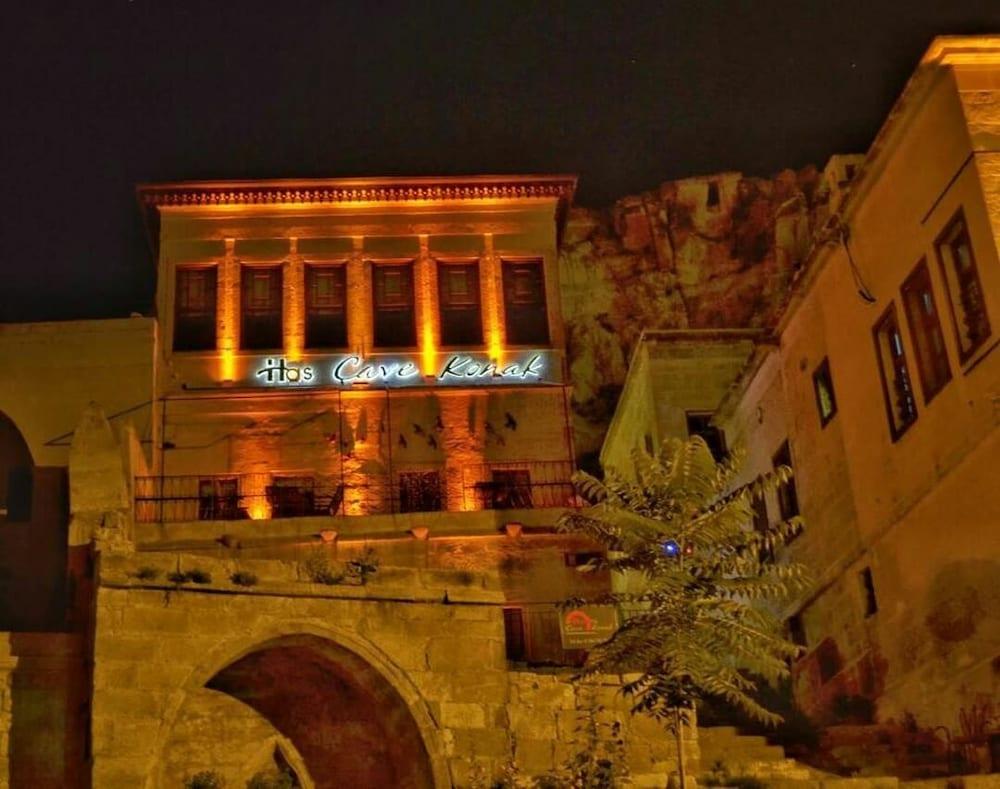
x=351 y=727
x=15 y=471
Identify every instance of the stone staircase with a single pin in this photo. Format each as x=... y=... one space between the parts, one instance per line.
x=752 y=756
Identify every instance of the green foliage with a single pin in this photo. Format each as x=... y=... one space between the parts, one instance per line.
x=195 y=576
x=319 y=570
x=598 y=757
x=206 y=779
x=273 y=779
x=696 y=625
x=243 y=578
x=719 y=776
x=364 y=565
x=797 y=733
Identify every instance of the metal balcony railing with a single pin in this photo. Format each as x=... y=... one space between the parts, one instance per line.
x=295 y=494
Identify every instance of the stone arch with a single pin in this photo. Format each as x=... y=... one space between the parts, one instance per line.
x=332 y=661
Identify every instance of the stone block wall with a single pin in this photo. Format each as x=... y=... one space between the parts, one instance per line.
x=419 y=653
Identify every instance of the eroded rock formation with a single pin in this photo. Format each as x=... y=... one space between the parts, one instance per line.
x=706 y=252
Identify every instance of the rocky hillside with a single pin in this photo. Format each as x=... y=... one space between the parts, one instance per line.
x=706 y=252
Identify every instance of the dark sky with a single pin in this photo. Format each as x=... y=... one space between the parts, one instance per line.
x=102 y=95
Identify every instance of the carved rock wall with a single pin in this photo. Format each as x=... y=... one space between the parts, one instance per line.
x=716 y=251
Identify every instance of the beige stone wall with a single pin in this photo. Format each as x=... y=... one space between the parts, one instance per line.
x=53 y=370
x=918 y=512
x=157 y=645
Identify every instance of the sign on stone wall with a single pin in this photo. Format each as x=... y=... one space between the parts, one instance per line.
x=587 y=626
x=394 y=370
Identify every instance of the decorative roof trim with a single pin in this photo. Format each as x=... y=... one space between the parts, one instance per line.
x=358 y=190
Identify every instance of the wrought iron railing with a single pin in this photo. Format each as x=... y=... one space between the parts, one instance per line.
x=411 y=488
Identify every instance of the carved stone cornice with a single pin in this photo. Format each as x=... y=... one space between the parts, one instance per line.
x=358 y=190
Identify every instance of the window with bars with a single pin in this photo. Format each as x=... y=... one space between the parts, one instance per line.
x=260 y=308
x=897 y=389
x=326 y=306
x=392 y=286
x=194 y=309
x=420 y=491
x=524 y=303
x=962 y=285
x=459 y=304
x=826 y=402
x=925 y=331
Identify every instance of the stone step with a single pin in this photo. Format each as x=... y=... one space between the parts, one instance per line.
x=741 y=753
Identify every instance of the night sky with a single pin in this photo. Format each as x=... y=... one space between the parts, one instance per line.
x=102 y=95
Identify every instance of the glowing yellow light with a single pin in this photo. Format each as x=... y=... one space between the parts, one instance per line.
x=259 y=511
x=227 y=365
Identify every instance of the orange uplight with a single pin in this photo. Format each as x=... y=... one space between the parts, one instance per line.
x=227 y=365
x=428 y=324
x=259 y=511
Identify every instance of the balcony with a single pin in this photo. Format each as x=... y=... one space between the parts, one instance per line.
x=299 y=494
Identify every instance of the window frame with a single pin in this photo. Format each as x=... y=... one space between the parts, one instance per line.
x=508 y=264
x=246 y=267
x=183 y=268
x=307 y=269
x=822 y=372
x=964 y=356
x=441 y=267
x=787 y=494
x=896 y=432
x=919 y=335
x=386 y=263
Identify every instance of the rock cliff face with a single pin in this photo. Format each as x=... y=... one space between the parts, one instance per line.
x=716 y=251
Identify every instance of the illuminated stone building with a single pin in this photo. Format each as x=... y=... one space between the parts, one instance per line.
x=414 y=366
x=879 y=386
x=336 y=367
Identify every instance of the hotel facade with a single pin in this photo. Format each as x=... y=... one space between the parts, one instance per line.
x=354 y=368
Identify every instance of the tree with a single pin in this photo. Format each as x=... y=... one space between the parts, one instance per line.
x=697 y=624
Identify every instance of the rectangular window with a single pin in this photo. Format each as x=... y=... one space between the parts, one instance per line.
x=582 y=558
x=826 y=403
x=458 y=295
x=868 y=590
x=925 y=331
x=260 y=316
x=420 y=491
x=901 y=405
x=788 y=499
x=797 y=630
x=965 y=293
x=326 y=306
x=392 y=286
x=524 y=303
x=700 y=424
x=194 y=309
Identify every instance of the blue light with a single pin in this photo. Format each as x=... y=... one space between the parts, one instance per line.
x=671 y=548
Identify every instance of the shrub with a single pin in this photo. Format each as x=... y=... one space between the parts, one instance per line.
x=195 y=576
x=273 y=779
x=319 y=570
x=206 y=779
x=365 y=565
x=243 y=578
x=147 y=574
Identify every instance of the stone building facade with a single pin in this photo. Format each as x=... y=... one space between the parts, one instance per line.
x=879 y=386
x=415 y=366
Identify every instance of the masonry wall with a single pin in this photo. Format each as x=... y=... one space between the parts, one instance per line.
x=158 y=646
x=916 y=512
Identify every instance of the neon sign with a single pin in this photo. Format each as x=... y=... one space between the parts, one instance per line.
x=388 y=371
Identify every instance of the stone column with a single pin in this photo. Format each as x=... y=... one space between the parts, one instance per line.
x=8 y=662
x=426 y=303
x=360 y=328
x=294 y=303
